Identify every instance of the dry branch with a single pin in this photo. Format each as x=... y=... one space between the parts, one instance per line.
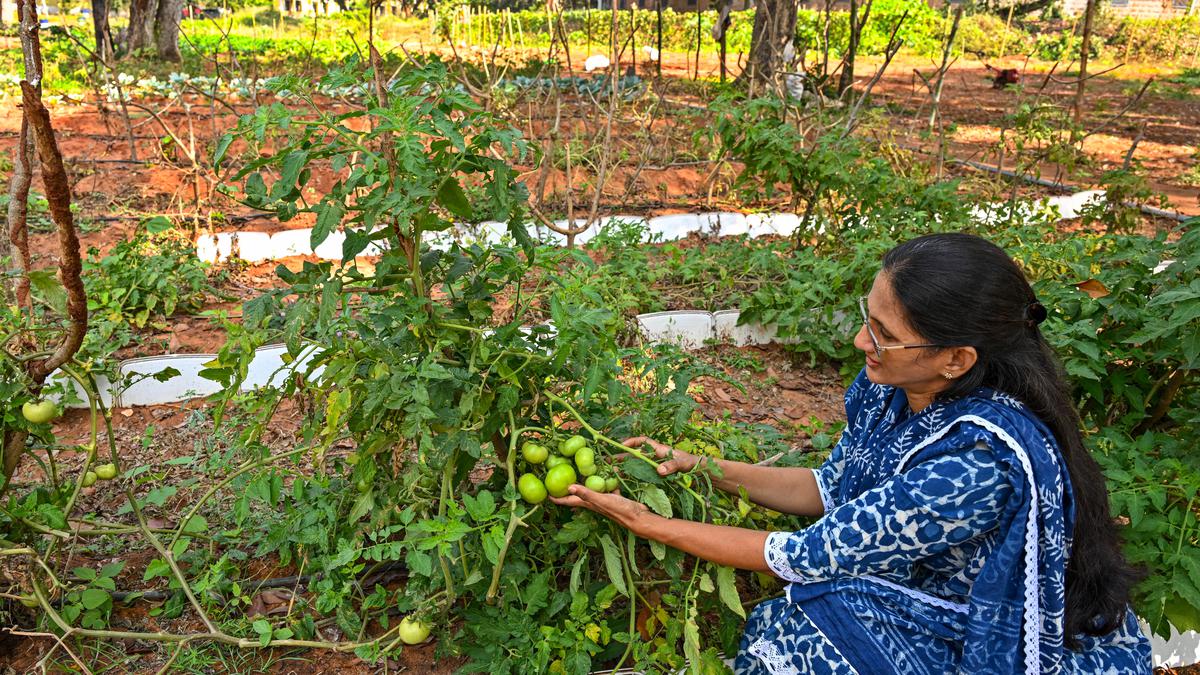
x=58 y=196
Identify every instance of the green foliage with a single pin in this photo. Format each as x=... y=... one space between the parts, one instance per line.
x=990 y=36
x=1157 y=39
x=435 y=391
x=834 y=183
x=923 y=31
x=152 y=275
x=1131 y=344
x=1063 y=46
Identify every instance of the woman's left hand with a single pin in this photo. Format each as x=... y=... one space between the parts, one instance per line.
x=609 y=504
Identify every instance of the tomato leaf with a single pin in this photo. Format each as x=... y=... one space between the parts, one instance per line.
x=451 y=196
x=612 y=564
x=577 y=570
x=481 y=506
x=657 y=500
x=727 y=590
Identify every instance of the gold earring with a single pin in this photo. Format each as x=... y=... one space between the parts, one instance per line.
x=948 y=375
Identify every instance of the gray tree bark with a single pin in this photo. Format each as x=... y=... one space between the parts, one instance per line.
x=141 y=24
x=166 y=29
x=774 y=28
x=104 y=46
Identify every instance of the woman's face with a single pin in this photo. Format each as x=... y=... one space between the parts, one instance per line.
x=920 y=372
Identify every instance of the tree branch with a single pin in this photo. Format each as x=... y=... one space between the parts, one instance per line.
x=70 y=266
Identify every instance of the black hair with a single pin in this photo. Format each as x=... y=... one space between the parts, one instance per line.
x=959 y=289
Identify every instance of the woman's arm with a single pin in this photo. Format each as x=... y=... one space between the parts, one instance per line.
x=785 y=489
x=722 y=544
x=911 y=516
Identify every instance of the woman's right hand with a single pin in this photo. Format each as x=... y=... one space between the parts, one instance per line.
x=672 y=460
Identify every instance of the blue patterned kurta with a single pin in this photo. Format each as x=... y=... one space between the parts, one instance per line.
x=943 y=548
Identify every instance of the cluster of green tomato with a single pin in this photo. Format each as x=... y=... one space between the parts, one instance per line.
x=560 y=474
x=44 y=412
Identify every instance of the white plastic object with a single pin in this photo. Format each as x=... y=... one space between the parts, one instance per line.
x=675 y=226
x=686 y=329
x=596 y=62
x=145 y=390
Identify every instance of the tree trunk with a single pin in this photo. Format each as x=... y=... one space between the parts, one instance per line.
x=141 y=24
x=1083 y=63
x=104 y=46
x=774 y=28
x=166 y=29
x=847 y=79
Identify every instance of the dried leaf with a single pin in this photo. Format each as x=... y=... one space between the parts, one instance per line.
x=1093 y=288
x=270 y=601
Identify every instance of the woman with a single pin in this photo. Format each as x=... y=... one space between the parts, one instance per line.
x=965 y=527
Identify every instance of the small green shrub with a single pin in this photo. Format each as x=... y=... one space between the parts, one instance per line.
x=988 y=35
x=1156 y=39
x=153 y=275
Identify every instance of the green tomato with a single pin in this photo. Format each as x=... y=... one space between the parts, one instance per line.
x=534 y=453
x=586 y=456
x=559 y=479
x=572 y=445
x=89 y=479
x=363 y=485
x=531 y=488
x=611 y=484
x=555 y=460
x=595 y=484
x=39 y=412
x=413 y=632
x=106 y=471
x=587 y=470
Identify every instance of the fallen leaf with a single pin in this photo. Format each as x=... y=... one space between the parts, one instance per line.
x=1093 y=288
x=270 y=601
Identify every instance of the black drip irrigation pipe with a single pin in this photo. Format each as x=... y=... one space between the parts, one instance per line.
x=1144 y=208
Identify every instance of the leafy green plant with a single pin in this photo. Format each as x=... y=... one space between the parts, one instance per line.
x=1126 y=319
x=435 y=394
x=150 y=276
x=91 y=604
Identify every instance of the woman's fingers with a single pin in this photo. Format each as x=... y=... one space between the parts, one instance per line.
x=661 y=450
x=570 y=500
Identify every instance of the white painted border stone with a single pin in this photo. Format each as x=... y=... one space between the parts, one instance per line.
x=687 y=329
x=148 y=391
x=252 y=247
x=1179 y=650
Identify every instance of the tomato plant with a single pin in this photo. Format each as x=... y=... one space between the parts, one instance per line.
x=440 y=399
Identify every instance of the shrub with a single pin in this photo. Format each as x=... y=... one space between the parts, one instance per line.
x=988 y=35
x=152 y=275
x=1157 y=39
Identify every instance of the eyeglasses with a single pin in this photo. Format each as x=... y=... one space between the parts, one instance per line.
x=880 y=349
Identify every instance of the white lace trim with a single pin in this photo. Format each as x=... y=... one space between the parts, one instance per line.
x=775 y=551
x=773 y=658
x=777 y=662
x=940 y=603
x=1032 y=618
x=823 y=491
